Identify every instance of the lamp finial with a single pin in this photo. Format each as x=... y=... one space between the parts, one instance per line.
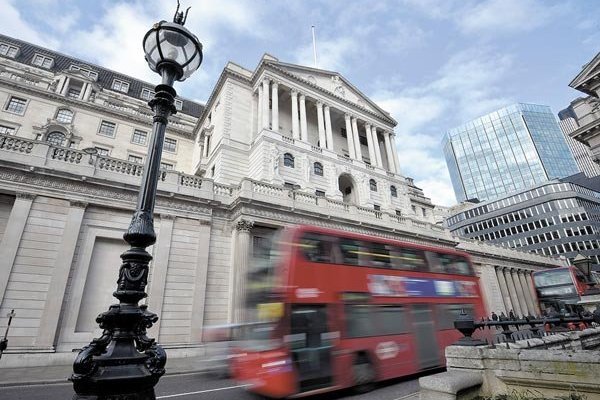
x=179 y=17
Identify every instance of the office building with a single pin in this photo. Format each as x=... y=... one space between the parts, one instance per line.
x=510 y=149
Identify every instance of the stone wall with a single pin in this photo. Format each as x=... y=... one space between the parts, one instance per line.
x=550 y=366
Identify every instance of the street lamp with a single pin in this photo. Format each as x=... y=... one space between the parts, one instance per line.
x=124 y=363
x=584 y=264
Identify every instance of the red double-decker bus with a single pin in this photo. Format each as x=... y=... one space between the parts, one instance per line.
x=560 y=289
x=350 y=310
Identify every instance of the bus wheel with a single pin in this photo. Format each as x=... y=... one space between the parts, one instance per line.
x=364 y=375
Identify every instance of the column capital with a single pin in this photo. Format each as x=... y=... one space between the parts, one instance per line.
x=326 y=106
x=244 y=225
x=78 y=204
x=347 y=117
x=368 y=125
x=275 y=82
x=302 y=97
x=294 y=92
x=167 y=216
x=319 y=103
x=266 y=80
x=26 y=196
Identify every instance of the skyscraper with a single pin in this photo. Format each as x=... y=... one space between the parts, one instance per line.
x=509 y=149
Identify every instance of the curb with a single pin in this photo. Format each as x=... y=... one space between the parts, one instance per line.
x=66 y=380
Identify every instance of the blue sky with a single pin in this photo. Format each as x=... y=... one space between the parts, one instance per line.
x=432 y=64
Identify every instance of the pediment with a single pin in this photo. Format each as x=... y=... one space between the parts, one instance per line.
x=589 y=72
x=332 y=82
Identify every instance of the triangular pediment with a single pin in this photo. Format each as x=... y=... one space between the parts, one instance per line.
x=331 y=82
x=589 y=71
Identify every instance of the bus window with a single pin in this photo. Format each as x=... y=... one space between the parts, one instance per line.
x=409 y=259
x=391 y=320
x=448 y=313
x=448 y=264
x=358 y=321
x=380 y=255
x=317 y=248
x=353 y=252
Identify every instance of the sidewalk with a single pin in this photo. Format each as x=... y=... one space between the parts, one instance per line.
x=61 y=373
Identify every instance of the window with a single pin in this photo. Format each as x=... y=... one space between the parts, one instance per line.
x=42 y=61
x=120 y=86
x=393 y=191
x=102 y=151
x=16 y=105
x=448 y=264
x=424 y=210
x=212 y=171
x=380 y=255
x=139 y=137
x=373 y=185
x=352 y=251
x=288 y=160
x=170 y=145
x=107 y=129
x=65 y=116
x=7 y=130
x=147 y=94
x=374 y=320
x=167 y=166
x=408 y=259
x=319 y=193
x=135 y=159
x=178 y=104
x=56 y=138
x=318 y=248
x=318 y=168
x=8 y=50
x=85 y=71
x=73 y=92
x=398 y=213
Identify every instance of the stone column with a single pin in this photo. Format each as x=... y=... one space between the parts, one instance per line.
x=372 y=158
x=356 y=139
x=275 y=107
x=328 y=131
x=240 y=265
x=376 y=147
x=265 y=104
x=514 y=297
x=503 y=289
x=526 y=292
x=162 y=249
x=46 y=337
x=65 y=87
x=520 y=292
x=87 y=92
x=295 y=130
x=395 y=153
x=321 y=125
x=388 y=151
x=12 y=237
x=529 y=279
x=349 y=137
x=303 y=127
x=259 y=110
x=199 y=300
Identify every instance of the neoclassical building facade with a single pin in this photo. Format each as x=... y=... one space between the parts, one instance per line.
x=275 y=146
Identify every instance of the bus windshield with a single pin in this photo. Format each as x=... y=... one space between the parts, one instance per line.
x=553 y=278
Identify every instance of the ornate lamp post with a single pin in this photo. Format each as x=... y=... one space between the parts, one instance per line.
x=584 y=264
x=124 y=363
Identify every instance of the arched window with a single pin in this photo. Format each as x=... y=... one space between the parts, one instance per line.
x=288 y=160
x=65 y=116
x=393 y=191
x=318 y=168
x=373 y=185
x=56 y=138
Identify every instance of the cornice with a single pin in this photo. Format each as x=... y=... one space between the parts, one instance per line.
x=91 y=106
x=353 y=106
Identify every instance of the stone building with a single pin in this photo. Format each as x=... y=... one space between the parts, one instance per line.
x=278 y=145
x=587 y=110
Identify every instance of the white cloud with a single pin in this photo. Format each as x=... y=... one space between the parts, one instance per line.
x=332 y=54
x=506 y=16
x=13 y=24
x=467 y=86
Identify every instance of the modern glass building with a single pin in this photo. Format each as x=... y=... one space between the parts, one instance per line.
x=510 y=149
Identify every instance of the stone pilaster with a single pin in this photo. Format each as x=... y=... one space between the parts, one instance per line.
x=295 y=120
x=321 y=125
x=303 y=126
x=357 y=149
x=328 y=131
x=503 y=290
x=349 y=137
x=265 y=103
x=372 y=157
x=240 y=265
x=275 y=106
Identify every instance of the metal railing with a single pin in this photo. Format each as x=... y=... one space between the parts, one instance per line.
x=518 y=328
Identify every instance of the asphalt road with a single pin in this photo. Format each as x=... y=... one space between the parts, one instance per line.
x=205 y=387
